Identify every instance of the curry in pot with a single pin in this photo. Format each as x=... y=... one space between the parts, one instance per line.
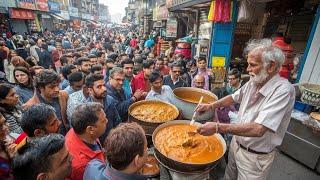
x=177 y=143
x=154 y=112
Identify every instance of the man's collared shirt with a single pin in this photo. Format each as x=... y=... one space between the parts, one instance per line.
x=98 y=170
x=69 y=90
x=271 y=106
x=165 y=95
x=74 y=100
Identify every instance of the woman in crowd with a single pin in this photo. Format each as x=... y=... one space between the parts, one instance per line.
x=8 y=66
x=7 y=148
x=24 y=84
x=11 y=107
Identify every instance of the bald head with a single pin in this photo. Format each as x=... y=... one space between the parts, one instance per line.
x=199 y=81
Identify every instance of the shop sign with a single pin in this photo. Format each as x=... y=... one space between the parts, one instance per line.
x=162 y=13
x=54 y=7
x=65 y=15
x=8 y=3
x=26 y=4
x=218 y=61
x=21 y=14
x=45 y=16
x=73 y=12
x=86 y=16
x=172 y=26
x=42 y=5
x=63 y=4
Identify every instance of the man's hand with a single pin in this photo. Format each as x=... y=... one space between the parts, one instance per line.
x=138 y=94
x=203 y=108
x=208 y=129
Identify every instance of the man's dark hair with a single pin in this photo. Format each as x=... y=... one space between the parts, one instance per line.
x=138 y=60
x=201 y=58
x=81 y=60
x=126 y=61
x=91 y=78
x=96 y=67
x=108 y=60
x=67 y=69
x=154 y=76
x=46 y=77
x=91 y=56
x=36 y=117
x=85 y=115
x=64 y=59
x=36 y=158
x=147 y=64
x=234 y=72
x=75 y=77
x=123 y=143
x=176 y=64
x=160 y=59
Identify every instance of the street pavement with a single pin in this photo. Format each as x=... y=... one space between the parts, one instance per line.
x=283 y=168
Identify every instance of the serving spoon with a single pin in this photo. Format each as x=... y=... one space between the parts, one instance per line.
x=195 y=112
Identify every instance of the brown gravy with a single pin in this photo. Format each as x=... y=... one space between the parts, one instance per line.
x=175 y=143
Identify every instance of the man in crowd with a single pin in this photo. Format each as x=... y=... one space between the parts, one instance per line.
x=98 y=93
x=158 y=90
x=199 y=81
x=93 y=59
x=44 y=158
x=84 y=65
x=126 y=153
x=173 y=79
x=48 y=92
x=96 y=69
x=127 y=66
x=116 y=91
x=39 y=120
x=88 y=124
x=266 y=103
x=141 y=81
x=66 y=71
x=164 y=70
x=76 y=81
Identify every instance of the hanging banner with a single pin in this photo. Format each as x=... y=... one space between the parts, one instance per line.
x=42 y=5
x=73 y=12
x=172 y=26
x=54 y=7
x=21 y=14
x=26 y=4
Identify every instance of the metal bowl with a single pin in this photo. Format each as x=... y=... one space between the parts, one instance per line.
x=180 y=166
x=183 y=102
x=149 y=127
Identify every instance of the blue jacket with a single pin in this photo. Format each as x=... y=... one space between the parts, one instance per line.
x=97 y=170
x=122 y=102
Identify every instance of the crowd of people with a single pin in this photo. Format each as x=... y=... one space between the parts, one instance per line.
x=64 y=101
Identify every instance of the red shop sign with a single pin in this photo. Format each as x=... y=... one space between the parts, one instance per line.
x=42 y=5
x=21 y=14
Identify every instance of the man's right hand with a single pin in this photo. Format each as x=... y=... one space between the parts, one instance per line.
x=138 y=94
x=203 y=108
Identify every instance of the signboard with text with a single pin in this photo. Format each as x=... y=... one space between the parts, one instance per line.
x=26 y=4
x=21 y=14
x=73 y=12
x=54 y=7
x=42 y=5
x=172 y=26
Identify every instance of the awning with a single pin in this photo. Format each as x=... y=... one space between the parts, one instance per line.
x=189 y=5
x=57 y=17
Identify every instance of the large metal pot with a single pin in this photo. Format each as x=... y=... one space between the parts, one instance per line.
x=149 y=127
x=179 y=166
x=187 y=107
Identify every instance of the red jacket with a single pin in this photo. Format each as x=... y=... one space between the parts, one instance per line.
x=133 y=43
x=139 y=82
x=81 y=154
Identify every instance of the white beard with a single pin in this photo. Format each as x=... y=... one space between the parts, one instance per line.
x=259 y=78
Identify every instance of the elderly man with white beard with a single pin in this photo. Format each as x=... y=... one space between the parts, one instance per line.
x=266 y=103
